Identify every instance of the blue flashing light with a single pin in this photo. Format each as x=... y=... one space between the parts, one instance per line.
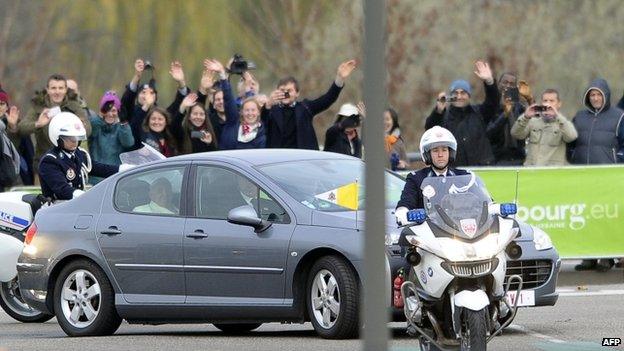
x=418 y=216
x=508 y=209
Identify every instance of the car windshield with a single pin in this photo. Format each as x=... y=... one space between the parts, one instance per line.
x=457 y=204
x=329 y=185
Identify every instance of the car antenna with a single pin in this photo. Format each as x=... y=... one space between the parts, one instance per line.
x=516 y=196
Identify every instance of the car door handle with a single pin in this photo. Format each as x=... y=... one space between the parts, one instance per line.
x=112 y=230
x=198 y=234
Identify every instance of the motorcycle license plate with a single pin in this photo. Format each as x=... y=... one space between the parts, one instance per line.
x=526 y=298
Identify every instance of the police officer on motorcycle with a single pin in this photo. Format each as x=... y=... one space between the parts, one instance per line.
x=64 y=169
x=438 y=148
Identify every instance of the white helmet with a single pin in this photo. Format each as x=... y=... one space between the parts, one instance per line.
x=348 y=110
x=434 y=137
x=66 y=124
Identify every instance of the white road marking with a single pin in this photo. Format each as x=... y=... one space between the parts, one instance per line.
x=573 y=293
x=536 y=334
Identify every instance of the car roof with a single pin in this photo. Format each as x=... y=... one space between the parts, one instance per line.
x=258 y=157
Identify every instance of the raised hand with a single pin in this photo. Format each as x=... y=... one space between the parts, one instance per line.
x=206 y=82
x=177 y=73
x=441 y=102
x=361 y=109
x=484 y=72
x=139 y=67
x=43 y=119
x=345 y=69
x=214 y=66
x=188 y=101
x=13 y=116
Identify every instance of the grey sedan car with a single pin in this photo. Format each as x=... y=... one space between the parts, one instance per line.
x=233 y=238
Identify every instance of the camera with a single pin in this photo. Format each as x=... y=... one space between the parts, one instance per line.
x=240 y=65
x=197 y=134
x=286 y=95
x=540 y=108
x=448 y=99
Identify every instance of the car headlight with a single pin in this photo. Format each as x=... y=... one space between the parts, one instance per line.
x=541 y=239
x=392 y=238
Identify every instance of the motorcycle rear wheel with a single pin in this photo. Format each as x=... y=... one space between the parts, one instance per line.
x=13 y=304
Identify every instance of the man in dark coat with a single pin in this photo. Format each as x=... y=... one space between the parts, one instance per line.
x=468 y=122
x=288 y=122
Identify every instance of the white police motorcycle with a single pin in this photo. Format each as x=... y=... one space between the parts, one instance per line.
x=17 y=210
x=456 y=248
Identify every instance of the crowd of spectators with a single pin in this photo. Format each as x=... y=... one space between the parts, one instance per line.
x=228 y=111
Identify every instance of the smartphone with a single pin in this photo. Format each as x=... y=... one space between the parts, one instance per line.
x=54 y=111
x=196 y=134
x=512 y=94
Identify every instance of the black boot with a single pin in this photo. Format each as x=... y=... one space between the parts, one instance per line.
x=605 y=265
x=586 y=265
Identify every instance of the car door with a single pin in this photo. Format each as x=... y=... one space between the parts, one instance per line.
x=230 y=264
x=140 y=233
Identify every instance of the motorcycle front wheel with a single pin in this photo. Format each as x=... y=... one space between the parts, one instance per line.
x=13 y=304
x=474 y=336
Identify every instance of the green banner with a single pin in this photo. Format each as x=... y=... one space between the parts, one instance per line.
x=579 y=207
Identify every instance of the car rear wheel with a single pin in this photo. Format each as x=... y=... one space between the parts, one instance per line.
x=84 y=301
x=333 y=298
x=13 y=304
x=237 y=328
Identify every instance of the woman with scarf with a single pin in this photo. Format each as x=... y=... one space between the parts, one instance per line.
x=244 y=129
x=192 y=129
x=395 y=147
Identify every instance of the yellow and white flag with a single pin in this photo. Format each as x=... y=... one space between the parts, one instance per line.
x=344 y=196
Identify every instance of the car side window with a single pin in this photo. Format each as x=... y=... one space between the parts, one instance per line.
x=220 y=190
x=151 y=192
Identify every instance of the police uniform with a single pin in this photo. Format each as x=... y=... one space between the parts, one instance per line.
x=412 y=197
x=62 y=172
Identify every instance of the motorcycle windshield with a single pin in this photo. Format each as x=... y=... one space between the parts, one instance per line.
x=458 y=205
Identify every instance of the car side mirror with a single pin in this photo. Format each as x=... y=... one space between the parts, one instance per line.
x=246 y=215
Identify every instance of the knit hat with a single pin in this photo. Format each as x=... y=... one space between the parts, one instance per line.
x=110 y=96
x=4 y=96
x=460 y=84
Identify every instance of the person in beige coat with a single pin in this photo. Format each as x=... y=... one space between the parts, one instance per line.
x=546 y=131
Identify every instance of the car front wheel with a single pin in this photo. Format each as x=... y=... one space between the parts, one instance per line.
x=333 y=298
x=84 y=301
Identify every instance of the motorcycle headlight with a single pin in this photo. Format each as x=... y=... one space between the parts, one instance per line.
x=541 y=239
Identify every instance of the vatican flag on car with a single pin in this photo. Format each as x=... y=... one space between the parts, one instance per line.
x=344 y=196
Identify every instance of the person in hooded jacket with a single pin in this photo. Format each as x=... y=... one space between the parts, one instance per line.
x=468 y=122
x=600 y=137
x=342 y=137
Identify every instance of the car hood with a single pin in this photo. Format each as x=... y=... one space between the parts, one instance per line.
x=526 y=232
x=348 y=220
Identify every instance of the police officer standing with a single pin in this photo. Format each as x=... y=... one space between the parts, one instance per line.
x=438 y=148
x=64 y=169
